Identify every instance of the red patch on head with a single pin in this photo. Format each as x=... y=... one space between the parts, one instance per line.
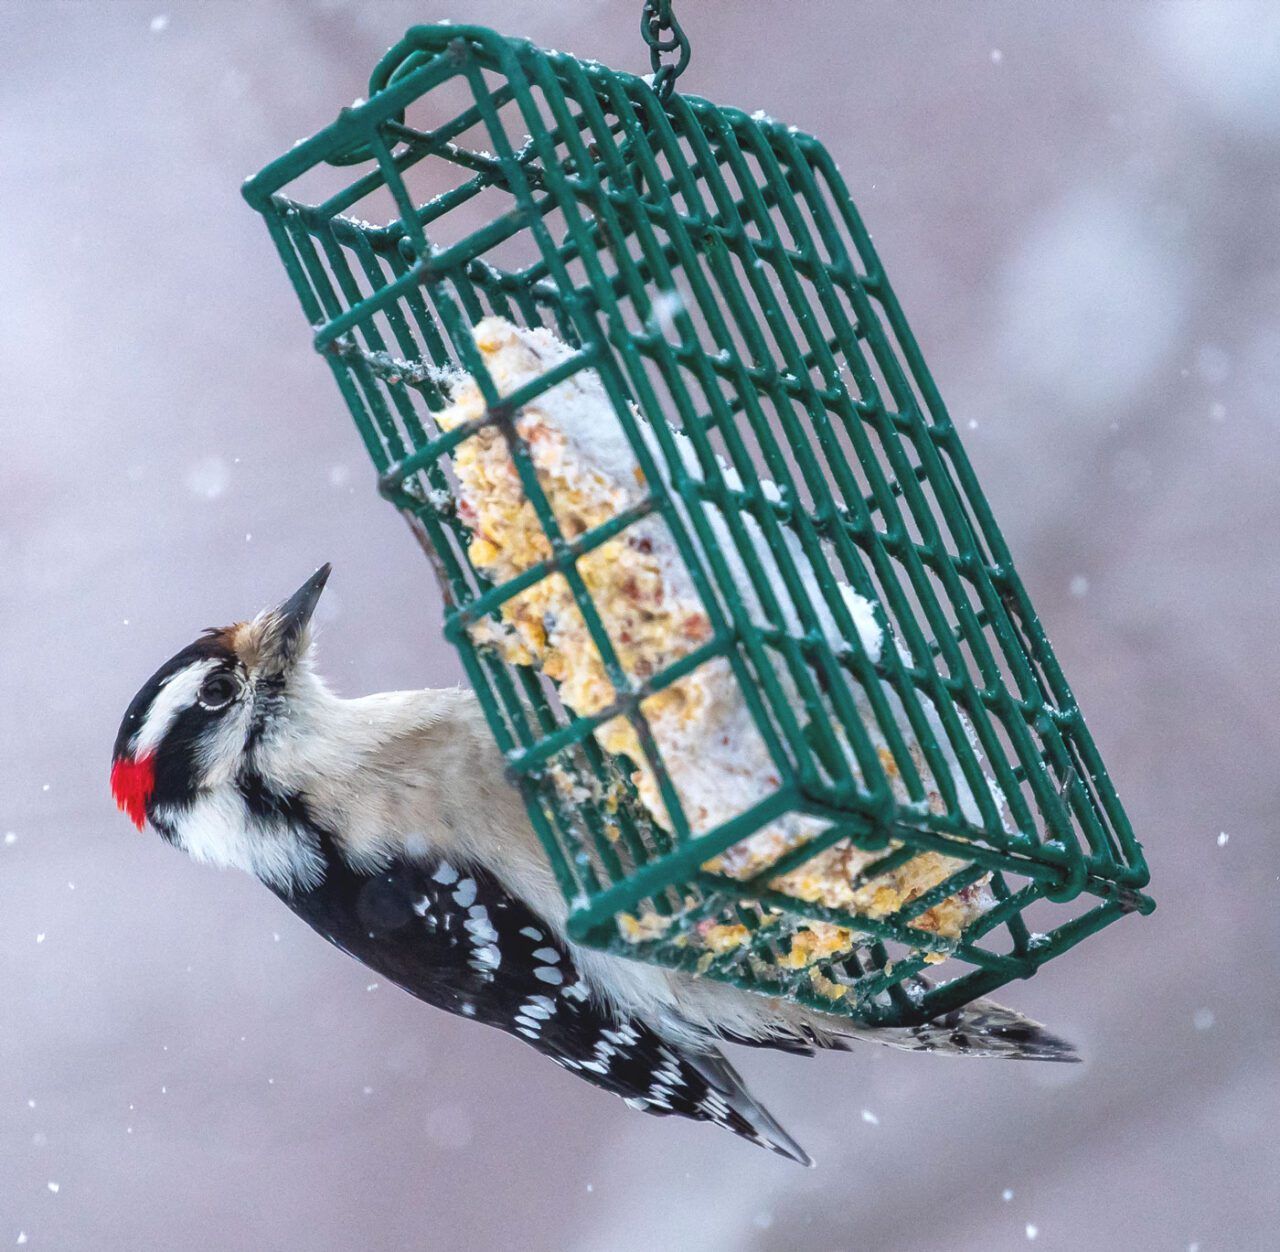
x=132 y=783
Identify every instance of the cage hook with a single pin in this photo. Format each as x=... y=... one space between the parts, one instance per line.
x=664 y=35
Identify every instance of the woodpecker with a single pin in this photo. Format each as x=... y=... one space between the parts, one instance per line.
x=388 y=825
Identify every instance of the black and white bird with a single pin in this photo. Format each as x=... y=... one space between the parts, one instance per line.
x=387 y=824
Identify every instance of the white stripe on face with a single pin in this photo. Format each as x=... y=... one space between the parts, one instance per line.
x=178 y=692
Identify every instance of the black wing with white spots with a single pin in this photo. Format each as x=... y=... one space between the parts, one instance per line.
x=452 y=936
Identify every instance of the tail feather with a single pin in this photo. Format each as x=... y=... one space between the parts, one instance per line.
x=981 y=1028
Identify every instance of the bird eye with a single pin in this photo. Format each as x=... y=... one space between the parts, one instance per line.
x=217 y=691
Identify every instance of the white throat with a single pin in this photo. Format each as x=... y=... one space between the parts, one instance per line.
x=219 y=828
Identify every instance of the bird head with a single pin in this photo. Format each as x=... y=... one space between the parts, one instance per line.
x=202 y=720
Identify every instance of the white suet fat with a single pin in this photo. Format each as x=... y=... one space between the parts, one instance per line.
x=717 y=760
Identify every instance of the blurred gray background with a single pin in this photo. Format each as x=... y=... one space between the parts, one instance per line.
x=1078 y=204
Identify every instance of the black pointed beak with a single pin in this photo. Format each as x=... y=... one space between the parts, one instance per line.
x=295 y=613
x=293 y=617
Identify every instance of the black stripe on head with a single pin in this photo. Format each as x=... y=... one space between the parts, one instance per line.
x=210 y=646
x=176 y=773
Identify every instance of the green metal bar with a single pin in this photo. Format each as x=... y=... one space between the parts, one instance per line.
x=711 y=269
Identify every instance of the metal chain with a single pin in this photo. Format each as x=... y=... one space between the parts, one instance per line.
x=662 y=33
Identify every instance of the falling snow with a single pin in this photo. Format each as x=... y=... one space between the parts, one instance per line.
x=666 y=306
x=208 y=478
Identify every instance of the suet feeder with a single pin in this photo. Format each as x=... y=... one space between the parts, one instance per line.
x=710 y=267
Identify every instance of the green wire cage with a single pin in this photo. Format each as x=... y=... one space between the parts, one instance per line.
x=711 y=269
